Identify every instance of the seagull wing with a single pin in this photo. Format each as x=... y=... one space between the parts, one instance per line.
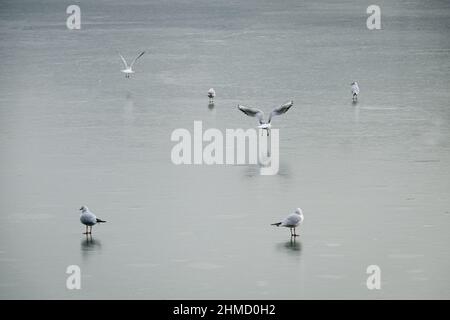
x=124 y=61
x=88 y=218
x=91 y=214
x=291 y=220
x=135 y=59
x=281 y=109
x=252 y=112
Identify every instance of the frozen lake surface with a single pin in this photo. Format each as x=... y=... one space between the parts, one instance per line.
x=372 y=178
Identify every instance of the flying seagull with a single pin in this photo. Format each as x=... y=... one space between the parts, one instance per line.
x=292 y=221
x=129 y=68
x=211 y=95
x=355 y=90
x=88 y=219
x=254 y=112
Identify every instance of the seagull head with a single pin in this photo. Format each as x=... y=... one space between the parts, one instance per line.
x=83 y=208
x=299 y=211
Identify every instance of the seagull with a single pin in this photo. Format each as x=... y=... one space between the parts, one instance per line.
x=355 y=90
x=211 y=94
x=254 y=112
x=128 y=69
x=88 y=219
x=292 y=221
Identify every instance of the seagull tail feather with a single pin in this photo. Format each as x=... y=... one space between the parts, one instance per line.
x=100 y=220
x=276 y=224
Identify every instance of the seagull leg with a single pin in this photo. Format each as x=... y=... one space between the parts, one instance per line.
x=86 y=230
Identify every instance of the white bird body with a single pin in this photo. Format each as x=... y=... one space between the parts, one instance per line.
x=127 y=71
x=129 y=68
x=211 y=95
x=88 y=218
x=265 y=126
x=355 y=90
x=292 y=221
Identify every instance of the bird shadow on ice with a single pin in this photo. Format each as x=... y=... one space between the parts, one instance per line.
x=211 y=105
x=355 y=111
x=292 y=246
x=254 y=170
x=89 y=244
x=128 y=108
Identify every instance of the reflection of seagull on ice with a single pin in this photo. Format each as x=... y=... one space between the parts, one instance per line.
x=254 y=112
x=355 y=90
x=211 y=95
x=88 y=219
x=292 y=221
x=129 y=68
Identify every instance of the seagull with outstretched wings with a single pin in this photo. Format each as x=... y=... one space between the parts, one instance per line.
x=255 y=112
x=129 y=68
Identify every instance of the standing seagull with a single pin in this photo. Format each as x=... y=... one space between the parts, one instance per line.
x=128 y=68
x=292 y=221
x=254 y=112
x=211 y=95
x=355 y=90
x=88 y=219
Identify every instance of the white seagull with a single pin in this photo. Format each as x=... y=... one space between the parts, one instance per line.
x=211 y=94
x=129 y=68
x=355 y=90
x=292 y=221
x=254 y=112
x=88 y=219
